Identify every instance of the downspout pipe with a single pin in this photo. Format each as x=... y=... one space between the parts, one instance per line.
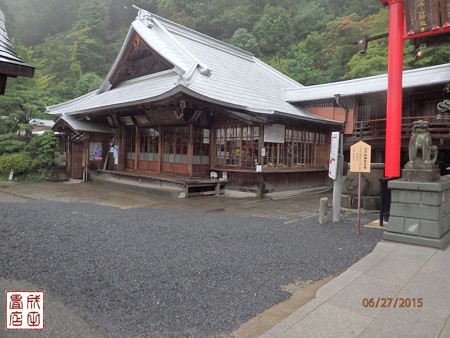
x=337 y=98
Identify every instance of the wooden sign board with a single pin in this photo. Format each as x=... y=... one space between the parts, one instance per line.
x=422 y=15
x=360 y=157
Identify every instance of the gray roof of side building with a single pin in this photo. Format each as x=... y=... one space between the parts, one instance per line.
x=203 y=68
x=80 y=125
x=439 y=74
x=11 y=64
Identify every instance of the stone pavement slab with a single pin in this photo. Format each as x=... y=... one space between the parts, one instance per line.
x=393 y=270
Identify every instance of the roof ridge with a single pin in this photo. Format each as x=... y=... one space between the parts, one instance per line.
x=183 y=30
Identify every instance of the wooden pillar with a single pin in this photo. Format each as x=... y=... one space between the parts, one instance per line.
x=160 y=148
x=85 y=160
x=212 y=147
x=122 y=149
x=261 y=145
x=68 y=148
x=137 y=148
x=190 y=151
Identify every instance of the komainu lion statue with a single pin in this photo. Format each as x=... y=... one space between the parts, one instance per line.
x=421 y=150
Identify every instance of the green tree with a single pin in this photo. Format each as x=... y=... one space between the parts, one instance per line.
x=274 y=30
x=311 y=18
x=42 y=149
x=11 y=143
x=93 y=17
x=246 y=41
x=87 y=83
x=17 y=108
x=31 y=21
x=59 y=61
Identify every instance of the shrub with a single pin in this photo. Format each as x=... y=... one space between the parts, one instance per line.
x=20 y=163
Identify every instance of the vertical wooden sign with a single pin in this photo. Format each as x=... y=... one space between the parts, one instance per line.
x=360 y=157
x=360 y=163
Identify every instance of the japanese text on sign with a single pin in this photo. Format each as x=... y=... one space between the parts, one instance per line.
x=24 y=310
x=424 y=15
x=360 y=157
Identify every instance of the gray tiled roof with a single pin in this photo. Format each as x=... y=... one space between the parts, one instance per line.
x=411 y=78
x=77 y=125
x=11 y=64
x=203 y=67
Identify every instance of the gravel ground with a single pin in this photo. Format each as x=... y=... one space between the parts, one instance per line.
x=169 y=272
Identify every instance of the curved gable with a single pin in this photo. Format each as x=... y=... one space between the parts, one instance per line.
x=138 y=60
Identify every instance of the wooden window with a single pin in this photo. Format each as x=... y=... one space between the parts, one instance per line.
x=130 y=141
x=237 y=146
x=301 y=149
x=149 y=144
x=364 y=113
x=250 y=137
x=201 y=146
x=175 y=144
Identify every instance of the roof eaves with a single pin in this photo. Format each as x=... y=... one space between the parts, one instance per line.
x=311 y=118
x=378 y=83
x=53 y=110
x=84 y=126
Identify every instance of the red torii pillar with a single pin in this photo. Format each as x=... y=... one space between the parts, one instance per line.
x=394 y=92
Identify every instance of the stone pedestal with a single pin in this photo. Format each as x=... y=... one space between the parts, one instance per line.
x=421 y=173
x=420 y=212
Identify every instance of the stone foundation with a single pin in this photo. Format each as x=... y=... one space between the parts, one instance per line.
x=420 y=212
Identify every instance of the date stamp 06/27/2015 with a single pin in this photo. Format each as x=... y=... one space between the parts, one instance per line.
x=392 y=302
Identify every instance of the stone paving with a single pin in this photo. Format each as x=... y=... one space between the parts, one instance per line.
x=398 y=290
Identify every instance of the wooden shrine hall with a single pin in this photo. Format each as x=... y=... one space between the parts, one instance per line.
x=180 y=110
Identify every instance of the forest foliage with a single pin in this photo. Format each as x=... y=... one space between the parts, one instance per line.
x=73 y=43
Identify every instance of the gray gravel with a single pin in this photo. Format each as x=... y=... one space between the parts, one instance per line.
x=169 y=272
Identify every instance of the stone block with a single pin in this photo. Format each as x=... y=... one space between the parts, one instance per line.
x=411 y=226
x=446 y=223
x=424 y=223
x=431 y=198
x=442 y=185
x=430 y=229
x=416 y=211
x=396 y=224
x=405 y=196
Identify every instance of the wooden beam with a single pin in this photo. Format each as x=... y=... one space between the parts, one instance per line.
x=13 y=69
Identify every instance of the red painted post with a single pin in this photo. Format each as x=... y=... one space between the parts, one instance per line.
x=394 y=92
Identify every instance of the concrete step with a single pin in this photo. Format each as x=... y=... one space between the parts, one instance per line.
x=149 y=189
